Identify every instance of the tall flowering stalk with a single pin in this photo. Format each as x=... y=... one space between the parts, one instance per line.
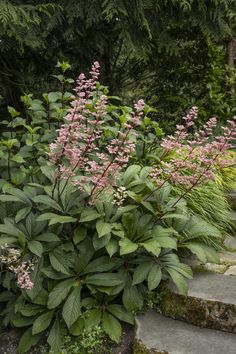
x=196 y=155
x=78 y=153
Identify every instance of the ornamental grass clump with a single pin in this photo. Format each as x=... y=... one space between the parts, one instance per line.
x=96 y=222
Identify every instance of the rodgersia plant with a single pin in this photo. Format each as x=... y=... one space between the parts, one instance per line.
x=99 y=215
x=77 y=152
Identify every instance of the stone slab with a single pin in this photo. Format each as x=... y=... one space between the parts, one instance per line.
x=230 y=242
x=165 y=335
x=233 y=216
x=228 y=258
x=231 y=270
x=213 y=287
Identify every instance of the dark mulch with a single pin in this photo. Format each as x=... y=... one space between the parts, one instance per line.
x=9 y=341
x=126 y=343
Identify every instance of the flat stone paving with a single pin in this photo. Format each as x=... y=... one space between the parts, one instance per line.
x=210 y=286
x=177 y=337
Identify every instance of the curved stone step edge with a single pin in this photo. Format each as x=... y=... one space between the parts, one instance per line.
x=156 y=334
x=227 y=264
x=199 y=312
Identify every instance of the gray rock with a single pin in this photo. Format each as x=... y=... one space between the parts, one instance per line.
x=231 y=270
x=233 y=217
x=215 y=268
x=158 y=334
x=211 y=302
x=230 y=242
x=228 y=258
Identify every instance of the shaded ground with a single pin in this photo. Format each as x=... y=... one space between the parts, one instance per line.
x=9 y=341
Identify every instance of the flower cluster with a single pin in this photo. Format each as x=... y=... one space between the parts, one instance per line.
x=78 y=152
x=119 y=196
x=11 y=258
x=196 y=154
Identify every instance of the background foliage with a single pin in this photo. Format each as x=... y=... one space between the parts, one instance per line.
x=170 y=52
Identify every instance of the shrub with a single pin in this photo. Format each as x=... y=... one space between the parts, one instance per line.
x=92 y=223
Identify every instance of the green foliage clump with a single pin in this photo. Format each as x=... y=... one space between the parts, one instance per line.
x=91 y=262
x=91 y=341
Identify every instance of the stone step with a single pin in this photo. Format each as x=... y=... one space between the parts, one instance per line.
x=227 y=264
x=210 y=303
x=232 y=199
x=233 y=217
x=230 y=243
x=156 y=334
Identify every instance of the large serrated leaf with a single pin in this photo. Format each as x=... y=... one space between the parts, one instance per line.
x=121 y=313
x=42 y=322
x=46 y=200
x=141 y=272
x=72 y=307
x=35 y=247
x=59 y=293
x=103 y=228
x=89 y=214
x=111 y=326
x=127 y=246
x=27 y=341
x=154 y=277
x=54 y=337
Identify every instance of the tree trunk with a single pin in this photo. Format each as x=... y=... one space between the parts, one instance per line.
x=230 y=52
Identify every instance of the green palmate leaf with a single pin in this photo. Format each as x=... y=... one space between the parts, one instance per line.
x=154 y=277
x=54 y=337
x=42 y=322
x=203 y=252
x=103 y=228
x=101 y=264
x=141 y=272
x=52 y=274
x=59 y=261
x=49 y=202
x=62 y=220
x=127 y=246
x=10 y=198
x=7 y=240
x=29 y=310
x=132 y=298
x=48 y=237
x=46 y=216
x=20 y=195
x=92 y=318
x=104 y=279
x=179 y=281
x=111 y=326
x=167 y=242
x=152 y=246
x=72 y=307
x=77 y=328
x=35 y=247
x=59 y=293
x=6 y=296
x=89 y=214
x=21 y=321
x=22 y=213
x=112 y=247
x=130 y=173
x=120 y=312
x=79 y=234
x=27 y=341
x=101 y=242
x=10 y=230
